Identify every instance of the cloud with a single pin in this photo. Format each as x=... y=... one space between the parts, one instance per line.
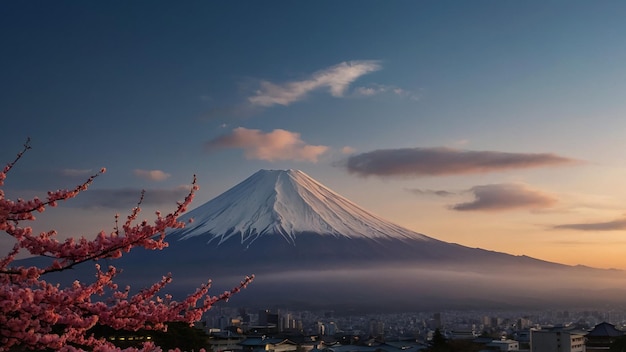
x=505 y=196
x=440 y=193
x=127 y=198
x=444 y=161
x=152 y=175
x=336 y=78
x=615 y=225
x=276 y=145
x=368 y=91
x=347 y=150
x=376 y=89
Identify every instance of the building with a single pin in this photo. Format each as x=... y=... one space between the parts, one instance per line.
x=556 y=340
x=377 y=328
x=267 y=344
x=463 y=334
x=330 y=328
x=504 y=345
x=601 y=337
x=268 y=318
x=225 y=341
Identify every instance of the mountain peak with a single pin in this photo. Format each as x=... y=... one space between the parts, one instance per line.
x=286 y=203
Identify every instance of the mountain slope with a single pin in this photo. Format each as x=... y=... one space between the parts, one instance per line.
x=286 y=202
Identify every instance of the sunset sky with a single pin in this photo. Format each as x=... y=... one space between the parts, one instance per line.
x=492 y=124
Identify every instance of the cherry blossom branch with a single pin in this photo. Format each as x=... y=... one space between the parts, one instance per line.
x=10 y=165
x=38 y=315
x=22 y=210
x=71 y=252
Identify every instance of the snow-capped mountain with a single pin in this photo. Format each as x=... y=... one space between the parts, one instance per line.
x=284 y=218
x=287 y=219
x=287 y=203
x=310 y=247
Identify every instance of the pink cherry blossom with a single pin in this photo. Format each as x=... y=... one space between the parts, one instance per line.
x=37 y=315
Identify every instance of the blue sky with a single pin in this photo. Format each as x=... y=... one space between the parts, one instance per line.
x=494 y=124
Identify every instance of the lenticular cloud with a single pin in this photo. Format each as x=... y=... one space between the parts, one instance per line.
x=445 y=161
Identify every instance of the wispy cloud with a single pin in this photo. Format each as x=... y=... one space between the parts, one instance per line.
x=614 y=225
x=152 y=175
x=127 y=198
x=336 y=79
x=505 y=196
x=439 y=193
x=368 y=91
x=444 y=161
x=276 y=145
x=377 y=89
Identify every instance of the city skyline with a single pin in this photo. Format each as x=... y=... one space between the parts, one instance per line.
x=490 y=124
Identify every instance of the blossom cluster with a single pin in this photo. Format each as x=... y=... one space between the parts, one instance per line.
x=36 y=314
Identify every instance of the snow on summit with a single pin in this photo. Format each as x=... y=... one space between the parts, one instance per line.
x=286 y=203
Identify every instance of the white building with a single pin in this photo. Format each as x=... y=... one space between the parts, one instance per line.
x=556 y=341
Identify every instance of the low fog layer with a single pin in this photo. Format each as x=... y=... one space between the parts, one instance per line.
x=392 y=288
x=423 y=288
